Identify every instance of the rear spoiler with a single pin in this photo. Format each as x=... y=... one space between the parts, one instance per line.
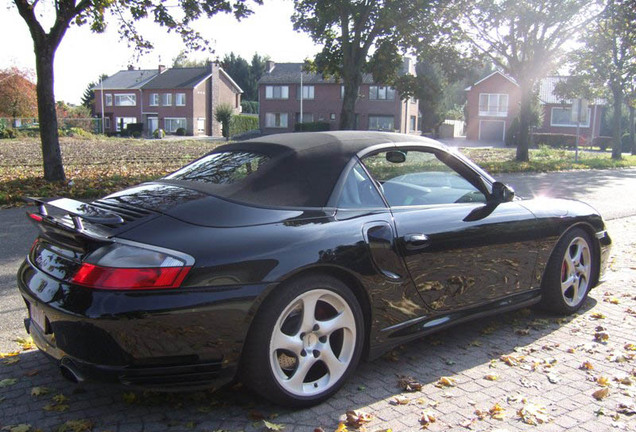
x=77 y=210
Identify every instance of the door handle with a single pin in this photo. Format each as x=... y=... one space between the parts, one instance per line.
x=416 y=241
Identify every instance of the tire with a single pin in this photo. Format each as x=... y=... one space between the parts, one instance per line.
x=568 y=277
x=296 y=358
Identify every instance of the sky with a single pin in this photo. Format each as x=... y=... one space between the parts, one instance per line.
x=83 y=56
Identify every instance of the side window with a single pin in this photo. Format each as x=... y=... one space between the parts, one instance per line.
x=411 y=178
x=358 y=191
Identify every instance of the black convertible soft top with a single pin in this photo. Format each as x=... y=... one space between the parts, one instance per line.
x=302 y=169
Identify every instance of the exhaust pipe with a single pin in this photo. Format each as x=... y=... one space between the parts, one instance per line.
x=70 y=371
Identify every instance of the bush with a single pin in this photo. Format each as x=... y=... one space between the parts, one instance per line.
x=136 y=134
x=8 y=133
x=77 y=132
x=158 y=133
x=249 y=107
x=626 y=143
x=603 y=142
x=512 y=134
x=223 y=115
x=554 y=140
x=312 y=127
x=181 y=131
x=240 y=124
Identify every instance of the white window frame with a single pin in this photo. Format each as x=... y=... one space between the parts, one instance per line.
x=154 y=99
x=109 y=99
x=201 y=124
x=308 y=92
x=498 y=101
x=276 y=120
x=106 y=123
x=381 y=116
x=127 y=120
x=276 y=92
x=171 y=129
x=180 y=99
x=125 y=99
x=381 y=93
x=569 y=116
x=166 y=99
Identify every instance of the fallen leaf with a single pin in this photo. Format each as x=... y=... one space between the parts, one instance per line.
x=129 y=397
x=533 y=414
x=273 y=427
x=82 y=425
x=426 y=419
x=597 y=316
x=25 y=343
x=497 y=412
x=522 y=332
x=400 y=400
x=630 y=347
x=39 y=391
x=475 y=343
x=358 y=418
x=601 y=394
x=445 y=382
x=341 y=428
x=603 y=381
x=18 y=428
x=11 y=360
x=601 y=337
x=512 y=360
x=408 y=383
x=626 y=408
x=9 y=354
x=586 y=366
x=8 y=382
x=491 y=377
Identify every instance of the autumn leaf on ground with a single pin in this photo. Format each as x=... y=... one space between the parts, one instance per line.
x=475 y=343
x=445 y=382
x=497 y=412
x=59 y=404
x=18 y=428
x=9 y=354
x=601 y=337
x=603 y=381
x=625 y=380
x=129 y=397
x=341 y=427
x=408 y=383
x=512 y=360
x=522 y=332
x=8 y=382
x=489 y=329
x=82 y=425
x=612 y=300
x=25 y=343
x=630 y=347
x=11 y=360
x=626 y=408
x=491 y=377
x=400 y=400
x=597 y=316
x=426 y=419
x=273 y=427
x=39 y=391
x=601 y=394
x=586 y=366
x=358 y=418
x=533 y=414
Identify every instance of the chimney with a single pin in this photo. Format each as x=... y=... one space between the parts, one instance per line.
x=161 y=68
x=269 y=66
x=131 y=67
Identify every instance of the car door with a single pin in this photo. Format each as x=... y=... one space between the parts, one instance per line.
x=461 y=248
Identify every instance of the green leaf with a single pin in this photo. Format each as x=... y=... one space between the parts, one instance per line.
x=273 y=426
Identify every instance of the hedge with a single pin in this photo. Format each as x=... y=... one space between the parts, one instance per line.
x=312 y=127
x=554 y=140
x=242 y=123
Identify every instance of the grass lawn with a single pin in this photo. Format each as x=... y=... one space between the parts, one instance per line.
x=99 y=166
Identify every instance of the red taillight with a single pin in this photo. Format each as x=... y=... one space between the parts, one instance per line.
x=111 y=278
x=36 y=217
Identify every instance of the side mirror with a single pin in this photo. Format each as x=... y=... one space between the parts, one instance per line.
x=395 y=156
x=502 y=192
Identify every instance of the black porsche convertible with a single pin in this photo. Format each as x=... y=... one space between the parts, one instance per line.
x=285 y=260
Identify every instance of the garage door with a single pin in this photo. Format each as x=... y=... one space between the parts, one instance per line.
x=491 y=130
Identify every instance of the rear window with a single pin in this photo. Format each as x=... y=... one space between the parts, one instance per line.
x=221 y=168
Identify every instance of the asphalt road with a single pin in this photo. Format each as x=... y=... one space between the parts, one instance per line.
x=612 y=192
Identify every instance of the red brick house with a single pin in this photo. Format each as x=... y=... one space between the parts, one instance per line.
x=166 y=99
x=493 y=102
x=379 y=107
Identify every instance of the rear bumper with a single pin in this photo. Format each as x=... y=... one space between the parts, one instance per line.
x=172 y=340
x=605 y=247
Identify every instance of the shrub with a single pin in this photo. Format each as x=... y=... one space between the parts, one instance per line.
x=249 y=107
x=223 y=114
x=158 y=133
x=603 y=142
x=626 y=143
x=181 y=131
x=8 y=133
x=243 y=123
x=312 y=127
x=554 y=140
x=136 y=134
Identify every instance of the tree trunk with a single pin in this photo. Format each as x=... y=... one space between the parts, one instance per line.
x=351 y=89
x=525 y=115
x=51 y=155
x=632 y=128
x=616 y=122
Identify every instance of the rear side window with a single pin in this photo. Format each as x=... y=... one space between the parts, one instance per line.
x=221 y=168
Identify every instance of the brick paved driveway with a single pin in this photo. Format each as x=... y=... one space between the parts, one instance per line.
x=500 y=368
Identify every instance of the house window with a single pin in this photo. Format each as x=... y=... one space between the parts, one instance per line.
x=383 y=123
x=166 y=99
x=381 y=93
x=493 y=104
x=154 y=99
x=308 y=92
x=276 y=92
x=180 y=99
x=413 y=123
x=126 y=99
x=562 y=116
x=201 y=125
x=106 y=123
x=121 y=122
x=109 y=100
x=307 y=118
x=332 y=116
x=276 y=120
x=171 y=124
